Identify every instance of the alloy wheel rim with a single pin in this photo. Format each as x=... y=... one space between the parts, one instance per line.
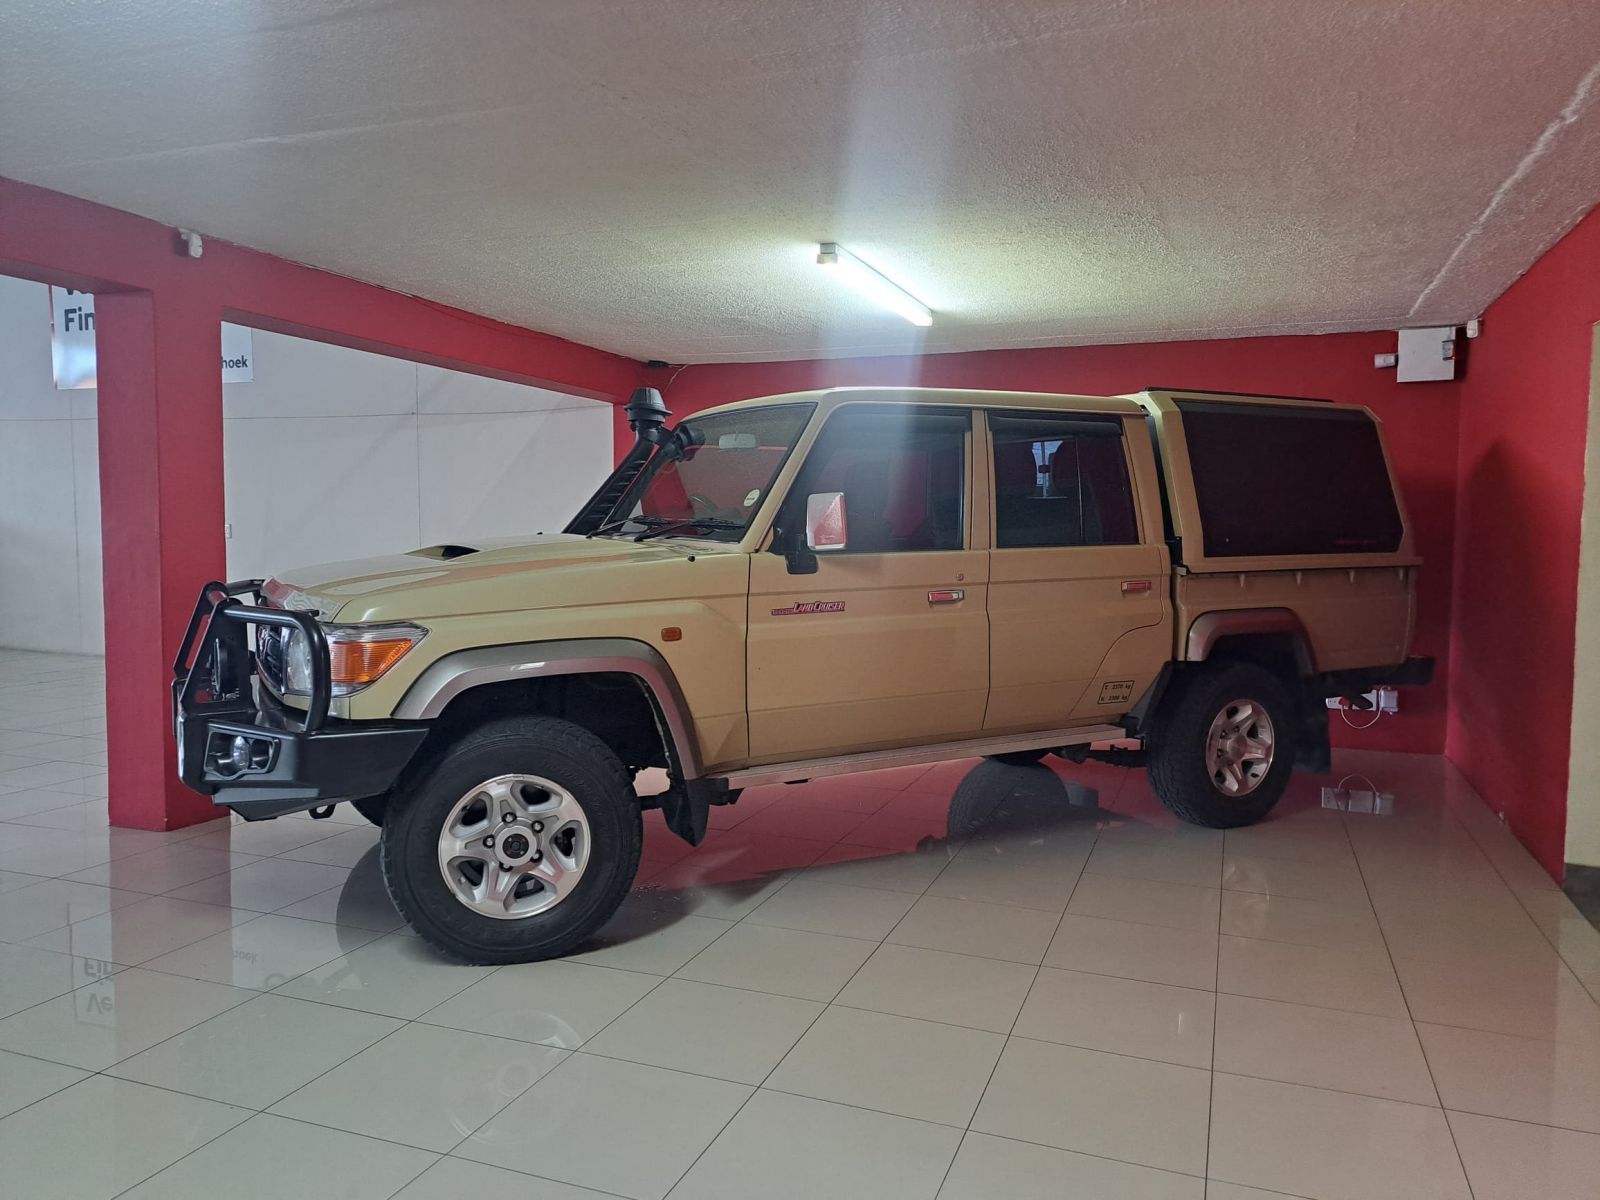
x=514 y=846
x=1240 y=747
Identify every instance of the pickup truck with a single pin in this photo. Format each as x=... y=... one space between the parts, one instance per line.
x=808 y=585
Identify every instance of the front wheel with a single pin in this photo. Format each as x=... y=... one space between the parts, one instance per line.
x=1223 y=751
x=518 y=845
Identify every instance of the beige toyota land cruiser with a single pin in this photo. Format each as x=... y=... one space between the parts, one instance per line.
x=809 y=585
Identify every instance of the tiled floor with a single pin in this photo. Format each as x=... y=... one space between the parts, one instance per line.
x=965 y=981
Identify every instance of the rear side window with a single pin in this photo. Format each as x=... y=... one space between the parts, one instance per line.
x=1061 y=481
x=1289 y=480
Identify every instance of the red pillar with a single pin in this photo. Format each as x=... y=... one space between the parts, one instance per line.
x=161 y=488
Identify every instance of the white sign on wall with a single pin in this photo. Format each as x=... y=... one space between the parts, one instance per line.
x=72 y=357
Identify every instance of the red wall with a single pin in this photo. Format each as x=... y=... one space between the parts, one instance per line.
x=1420 y=420
x=1524 y=414
x=160 y=427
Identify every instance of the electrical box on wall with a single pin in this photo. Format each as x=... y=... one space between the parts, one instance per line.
x=1427 y=354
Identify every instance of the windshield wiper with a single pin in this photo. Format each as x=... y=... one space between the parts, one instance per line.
x=689 y=523
x=647 y=522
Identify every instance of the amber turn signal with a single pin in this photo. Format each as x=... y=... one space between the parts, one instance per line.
x=358 y=663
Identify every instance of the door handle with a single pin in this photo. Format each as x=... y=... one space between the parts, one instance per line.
x=947 y=596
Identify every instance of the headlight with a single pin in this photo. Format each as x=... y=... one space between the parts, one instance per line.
x=358 y=654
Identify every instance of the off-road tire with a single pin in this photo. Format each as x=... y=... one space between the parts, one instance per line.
x=565 y=754
x=1177 y=751
x=372 y=808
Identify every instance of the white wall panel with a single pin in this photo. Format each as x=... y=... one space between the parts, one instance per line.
x=38 y=533
x=311 y=489
x=329 y=454
x=505 y=474
x=300 y=378
x=86 y=489
x=441 y=391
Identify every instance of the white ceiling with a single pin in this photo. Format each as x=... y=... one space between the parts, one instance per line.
x=651 y=176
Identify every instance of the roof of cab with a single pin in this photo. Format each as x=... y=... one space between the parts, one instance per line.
x=1041 y=401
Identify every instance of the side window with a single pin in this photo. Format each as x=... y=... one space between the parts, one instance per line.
x=1061 y=481
x=903 y=474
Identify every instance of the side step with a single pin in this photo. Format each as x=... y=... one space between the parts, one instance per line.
x=916 y=756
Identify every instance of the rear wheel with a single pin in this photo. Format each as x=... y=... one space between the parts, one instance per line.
x=1222 y=754
x=518 y=845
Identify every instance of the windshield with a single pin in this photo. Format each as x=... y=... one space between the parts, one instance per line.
x=712 y=478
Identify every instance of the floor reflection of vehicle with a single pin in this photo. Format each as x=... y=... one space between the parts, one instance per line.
x=996 y=797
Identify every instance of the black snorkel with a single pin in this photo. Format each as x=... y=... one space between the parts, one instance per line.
x=647 y=415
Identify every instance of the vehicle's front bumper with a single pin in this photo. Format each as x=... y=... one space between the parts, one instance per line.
x=291 y=760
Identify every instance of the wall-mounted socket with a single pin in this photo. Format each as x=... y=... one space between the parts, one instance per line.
x=1383 y=700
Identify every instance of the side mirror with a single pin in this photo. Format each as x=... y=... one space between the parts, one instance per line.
x=827 y=527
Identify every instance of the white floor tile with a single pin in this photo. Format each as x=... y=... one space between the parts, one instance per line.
x=115 y=1018
x=93 y=1140
x=983 y=930
x=614 y=1126
x=266 y=885
x=54 y=903
x=262 y=953
x=1146 y=902
x=1303 y=922
x=1149 y=1113
x=1357 y=980
x=558 y=1004
x=833 y=908
x=1523 y=1079
x=1181 y=957
x=397 y=976
x=783 y=1147
x=790 y=962
x=256 y=1053
x=137 y=932
x=29 y=975
x=1322 y=1047
x=164 y=868
x=899 y=1065
x=1330 y=1145
x=706 y=1029
x=988 y=1167
x=989 y=881
x=1512 y=1160
x=1123 y=1016
x=25 y=1080
x=641 y=937
x=424 y=1085
x=934 y=985
x=272 y=1158
x=454 y=1178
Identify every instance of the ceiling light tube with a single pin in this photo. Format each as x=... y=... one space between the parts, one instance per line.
x=851 y=270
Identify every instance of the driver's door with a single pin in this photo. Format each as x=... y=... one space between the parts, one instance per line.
x=887 y=643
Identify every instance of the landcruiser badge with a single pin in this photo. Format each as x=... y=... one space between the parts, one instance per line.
x=810 y=606
x=1118 y=691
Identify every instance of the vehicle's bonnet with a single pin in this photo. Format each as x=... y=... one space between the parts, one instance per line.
x=482 y=576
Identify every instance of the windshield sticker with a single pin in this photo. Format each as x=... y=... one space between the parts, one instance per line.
x=752 y=496
x=810 y=606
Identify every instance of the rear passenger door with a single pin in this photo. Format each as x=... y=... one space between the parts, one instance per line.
x=1078 y=601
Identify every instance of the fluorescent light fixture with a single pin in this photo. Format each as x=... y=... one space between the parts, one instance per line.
x=851 y=270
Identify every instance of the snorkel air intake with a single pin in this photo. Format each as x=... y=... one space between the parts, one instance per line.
x=647 y=415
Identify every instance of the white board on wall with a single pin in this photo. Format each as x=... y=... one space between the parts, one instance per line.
x=72 y=353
